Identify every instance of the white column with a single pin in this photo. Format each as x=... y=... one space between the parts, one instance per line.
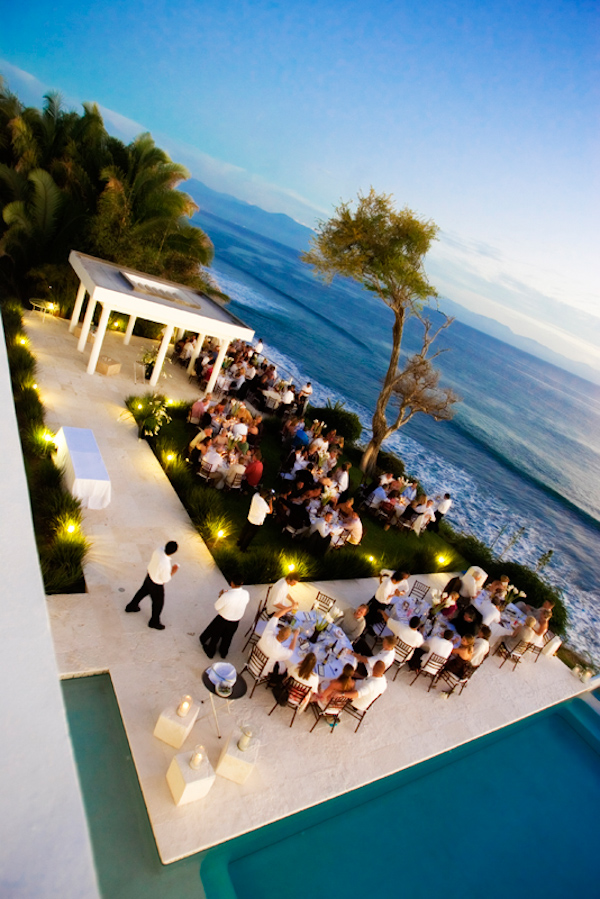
x=195 y=353
x=129 y=329
x=162 y=352
x=87 y=321
x=97 y=346
x=77 y=307
x=217 y=366
x=179 y=332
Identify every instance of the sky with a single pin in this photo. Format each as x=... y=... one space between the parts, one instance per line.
x=482 y=117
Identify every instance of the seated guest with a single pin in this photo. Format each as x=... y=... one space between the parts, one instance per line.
x=369 y=689
x=490 y=611
x=255 y=431
x=541 y=627
x=280 y=596
x=467 y=622
x=228 y=476
x=319 y=534
x=271 y=643
x=499 y=586
x=379 y=496
x=410 y=491
x=341 y=476
x=298 y=518
x=547 y=605
x=254 y=471
x=354 y=526
x=342 y=684
x=282 y=505
x=366 y=663
x=304 y=672
x=460 y=658
x=439 y=646
x=481 y=646
x=407 y=633
x=352 y=622
x=524 y=633
x=390 y=586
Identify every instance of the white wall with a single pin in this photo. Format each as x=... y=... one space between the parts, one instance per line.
x=44 y=843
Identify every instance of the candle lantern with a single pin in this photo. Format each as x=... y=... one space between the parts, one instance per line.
x=197 y=756
x=184 y=706
x=246 y=738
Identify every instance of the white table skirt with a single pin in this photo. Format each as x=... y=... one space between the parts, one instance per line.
x=86 y=476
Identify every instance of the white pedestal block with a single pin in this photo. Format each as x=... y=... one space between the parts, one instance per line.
x=189 y=784
x=234 y=764
x=108 y=366
x=172 y=729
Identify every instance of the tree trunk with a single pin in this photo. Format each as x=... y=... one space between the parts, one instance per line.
x=379 y=425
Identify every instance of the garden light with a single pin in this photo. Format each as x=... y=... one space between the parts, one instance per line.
x=170 y=457
x=291 y=567
x=48 y=436
x=371 y=558
x=220 y=533
x=70 y=528
x=35 y=387
x=22 y=341
x=442 y=560
x=139 y=405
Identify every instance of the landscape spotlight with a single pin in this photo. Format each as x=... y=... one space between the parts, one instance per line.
x=48 y=436
x=371 y=558
x=139 y=405
x=442 y=560
x=220 y=533
x=170 y=457
x=34 y=386
x=291 y=566
x=22 y=341
x=70 y=528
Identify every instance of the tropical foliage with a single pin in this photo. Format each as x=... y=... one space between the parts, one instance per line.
x=65 y=184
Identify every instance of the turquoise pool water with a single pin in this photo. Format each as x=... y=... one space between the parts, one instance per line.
x=515 y=812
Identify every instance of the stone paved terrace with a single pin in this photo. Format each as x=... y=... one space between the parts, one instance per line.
x=150 y=669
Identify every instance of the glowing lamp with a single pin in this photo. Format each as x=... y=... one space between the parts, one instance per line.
x=291 y=567
x=170 y=457
x=197 y=756
x=184 y=706
x=139 y=405
x=371 y=558
x=22 y=341
x=220 y=533
x=35 y=387
x=48 y=437
x=70 y=528
x=442 y=560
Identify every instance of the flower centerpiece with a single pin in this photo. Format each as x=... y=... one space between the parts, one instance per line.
x=320 y=626
x=513 y=593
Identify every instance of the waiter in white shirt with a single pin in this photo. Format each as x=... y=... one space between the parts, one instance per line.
x=160 y=572
x=260 y=507
x=230 y=608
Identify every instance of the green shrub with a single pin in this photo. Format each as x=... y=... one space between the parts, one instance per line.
x=389 y=462
x=35 y=442
x=29 y=408
x=346 y=423
x=22 y=365
x=61 y=562
x=48 y=476
x=344 y=563
x=12 y=319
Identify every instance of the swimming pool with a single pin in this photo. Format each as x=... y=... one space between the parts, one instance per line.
x=512 y=812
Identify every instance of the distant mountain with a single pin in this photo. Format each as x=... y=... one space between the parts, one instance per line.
x=502 y=332
x=274 y=225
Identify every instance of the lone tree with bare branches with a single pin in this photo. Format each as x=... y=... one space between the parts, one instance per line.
x=383 y=250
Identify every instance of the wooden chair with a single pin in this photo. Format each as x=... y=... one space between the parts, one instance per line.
x=332 y=710
x=454 y=681
x=261 y=615
x=419 y=590
x=323 y=603
x=432 y=669
x=359 y=714
x=297 y=694
x=255 y=667
x=206 y=470
x=271 y=404
x=515 y=655
x=402 y=653
x=535 y=649
x=236 y=483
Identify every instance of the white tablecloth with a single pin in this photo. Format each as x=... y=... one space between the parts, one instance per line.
x=85 y=473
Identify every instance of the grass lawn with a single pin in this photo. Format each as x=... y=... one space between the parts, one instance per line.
x=271 y=553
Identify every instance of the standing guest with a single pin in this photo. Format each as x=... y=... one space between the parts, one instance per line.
x=441 y=508
x=254 y=471
x=272 y=643
x=389 y=586
x=160 y=572
x=280 y=595
x=258 y=346
x=260 y=506
x=370 y=688
x=230 y=608
x=303 y=397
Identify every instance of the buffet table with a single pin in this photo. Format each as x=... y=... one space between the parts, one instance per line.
x=86 y=476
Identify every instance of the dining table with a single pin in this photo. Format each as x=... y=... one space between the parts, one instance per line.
x=332 y=648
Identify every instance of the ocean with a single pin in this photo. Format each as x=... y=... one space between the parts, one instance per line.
x=522 y=451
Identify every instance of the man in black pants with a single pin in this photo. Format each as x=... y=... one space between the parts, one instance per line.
x=230 y=608
x=160 y=572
